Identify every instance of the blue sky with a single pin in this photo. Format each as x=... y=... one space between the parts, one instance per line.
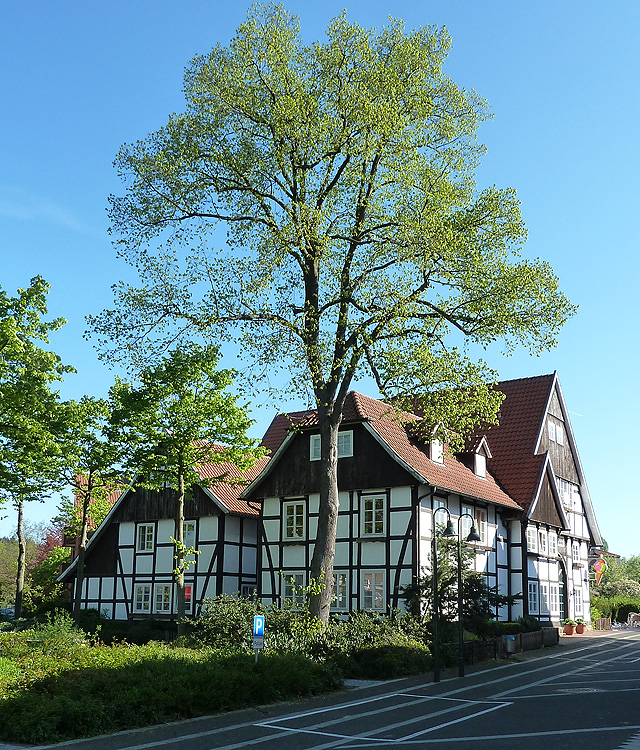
x=79 y=79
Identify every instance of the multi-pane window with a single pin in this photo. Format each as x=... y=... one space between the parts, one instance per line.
x=373 y=590
x=481 y=524
x=189 y=533
x=293 y=588
x=569 y=493
x=532 y=539
x=372 y=514
x=315 y=447
x=544 y=597
x=345 y=444
x=340 y=591
x=556 y=432
x=552 y=430
x=576 y=551
x=144 y=538
x=533 y=597
x=142 y=598
x=162 y=598
x=553 y=543
x=466 y=522
x=542 y=541
x=559 y=434
x=554 y=606
x=188 y=597
x=578 y=601
x=294 y=520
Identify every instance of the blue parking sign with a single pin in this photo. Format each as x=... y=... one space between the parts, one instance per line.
x=258 y=626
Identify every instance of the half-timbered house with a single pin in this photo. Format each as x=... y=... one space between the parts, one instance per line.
x=523 y=486
x=129 y=559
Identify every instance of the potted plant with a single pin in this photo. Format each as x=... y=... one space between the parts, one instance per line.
x=569 y=626
x=580 y=625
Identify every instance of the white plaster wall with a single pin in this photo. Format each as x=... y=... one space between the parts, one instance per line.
x=107 y=588
x=314 y=501
x=204 y=558
x=126 y=559
x=399 y=522
x=208 y=529
x=249 y=561
x=342 y=554
x=293 y=556
x=144 y=564
x=164 y=560
x=126 y=533
x=93 y=588
x=272 y=529
x=232 y=529
x=373 y=553
x=166 y=530
x=400 y=497
x=395 y=549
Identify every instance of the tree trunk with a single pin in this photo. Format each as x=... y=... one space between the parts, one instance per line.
x=179 y=569
x=84 y=525
x=324 y=549
x=22 y=564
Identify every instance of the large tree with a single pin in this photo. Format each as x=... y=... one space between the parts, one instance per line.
x=357 y=241
x=179 y=416
x=31 y=417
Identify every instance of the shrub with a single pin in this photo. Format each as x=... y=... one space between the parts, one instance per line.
x=529 y=624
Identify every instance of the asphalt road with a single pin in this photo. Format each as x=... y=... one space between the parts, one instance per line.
x=582 y=694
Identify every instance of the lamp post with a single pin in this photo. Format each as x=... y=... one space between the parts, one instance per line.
x=449 y=532
x=473 y=536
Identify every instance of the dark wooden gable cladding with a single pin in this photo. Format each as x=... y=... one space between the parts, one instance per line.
x=562 y=458
x=546 y=510
x=141 y=505
x=370 y=467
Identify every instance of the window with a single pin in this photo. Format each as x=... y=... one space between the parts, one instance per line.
x=532 y=539
x=189 y=533
x=552 y=430
x=481 y=524
x=533 y=597
x=248 y=590
x=436 y=451
x=294 y=520
x=188 y=598
x=373 y=587
x=559 y=434
x=372 y=514
x=465 y=524
x=162 y=598
x=576 y=551
x=142 y=598
x=542 y=541
x=554 y=607
x=345 y=444
x=340 y=591
x=144 y=541
x=480 y=465
x=293 y=588
x=578 y=599
x=544 y=597
x=553 y=544
x=315 y=447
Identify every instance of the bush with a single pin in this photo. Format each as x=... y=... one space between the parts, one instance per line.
x=529 y=624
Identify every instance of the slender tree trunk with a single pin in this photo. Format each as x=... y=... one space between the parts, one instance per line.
x=323 y=554
x=82 y=548
x=179 y=569
x=22 y=564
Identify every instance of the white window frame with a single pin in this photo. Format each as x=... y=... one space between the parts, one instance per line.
x=532 y=538
x=577 y=595
x=480 y=465
x=533 y=597
x=340 y=599
x=166 y=602
x=248 y=590
x=373 y=590
x=145 y=537
x=378 y=511
x=315 y=447
x=480 y=515
x=575 y=551
x=544 y=598
x=189 y=590
x=298 y=519
x=436 y=450
x=141 y=598
x=560 y=434
x=554 y=598
x=189 y=533
x=553 y=543
x=345 y=443
x=542 y=541
x=292 y=583
x=552 y=430
x=466 y=523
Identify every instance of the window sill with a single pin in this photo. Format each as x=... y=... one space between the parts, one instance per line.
x=371 y=538
x=294 y=542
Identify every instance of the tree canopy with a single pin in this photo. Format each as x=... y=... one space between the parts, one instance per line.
x=358 y=243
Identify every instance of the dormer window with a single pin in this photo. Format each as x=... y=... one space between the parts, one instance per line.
x=480 y=465
x=556 y=431
x=345 y=445
x=436 y=450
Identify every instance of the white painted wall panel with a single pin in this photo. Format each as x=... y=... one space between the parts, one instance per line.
x=314 y=501
x=272 y=529
x=126 y=559
x=121 y=611
x=313 y=528
x=293 y=556
x=204 y=558
x=107 y=588
x=164 y=560
x=516 y=557
x=373 y=553
x=208 y=529
x=395 y=549
x=232 y=529
x=126 y=533
x=400 y=497
x=249 y=561
x=231 y=558
x=93 y=588
x=166 y=530
x=342 y=554
x=399 y=522
x=144 y=564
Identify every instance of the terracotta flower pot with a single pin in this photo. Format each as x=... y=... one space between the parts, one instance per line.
x=579 y=629
x=569 y=629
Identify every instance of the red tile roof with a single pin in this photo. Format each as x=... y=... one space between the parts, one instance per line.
x=390 y=426
x=228 y=490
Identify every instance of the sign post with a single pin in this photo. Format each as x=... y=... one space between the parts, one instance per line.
x=258 y=634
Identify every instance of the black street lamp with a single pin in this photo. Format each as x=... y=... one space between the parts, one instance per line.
x=448 y=533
